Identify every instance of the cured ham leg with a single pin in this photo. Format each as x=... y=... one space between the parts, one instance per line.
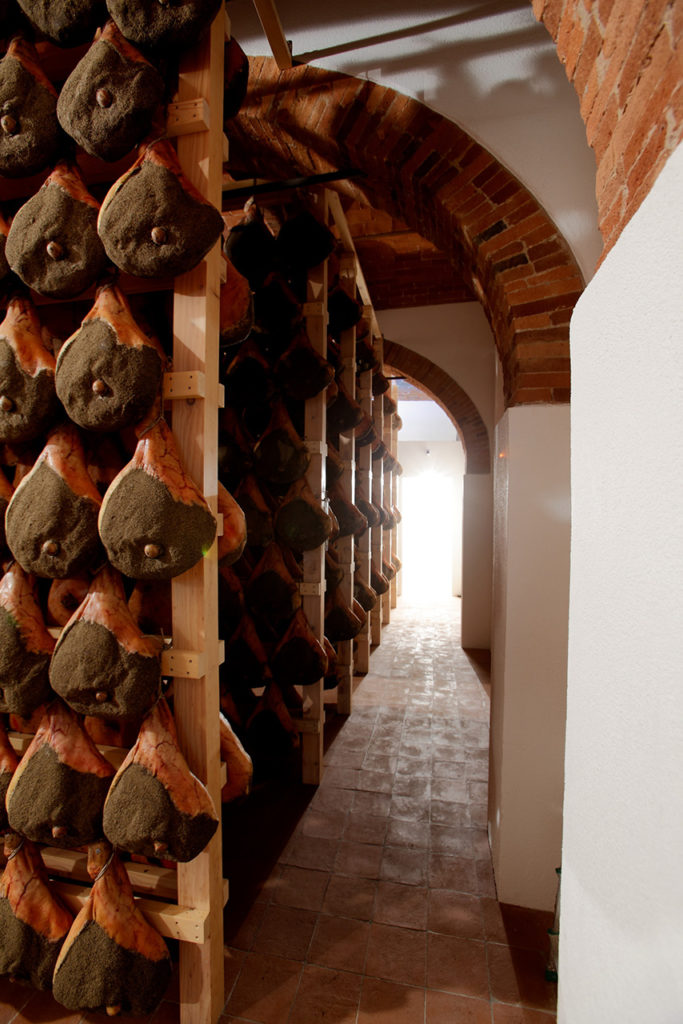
x=112 y=961
x=109 y=371
x=156 y=806
x=233 y=540
x=57 y=792
x=33 y=923
x=299 y=658
x=103 y=664
x=28 y=100
x=25 y=645
x=51 y=521
x=155 y=522
x=239 y=766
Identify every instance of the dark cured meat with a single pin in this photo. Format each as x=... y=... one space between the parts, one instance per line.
x=351 y=520
x=157 y=26
x=57 y=792
x=64 y=597
x=301 y=371
x=103 y=664
x=341 y=623
x=6 y=493
x=155 y=522
x=235 y=78
x=29 y=130
x=259 y=517
x=33 y=923
x=236 y=308
x=303 y=242
x=4 y=231
x=251 y=247
x=53 y=245
x=232 y=541
x=65 y=24
x=299 y=658
x=246 y=658
x=300 y=522
x=109 y=371
x=272 y=593
x=156 y=806
x=153 y=221
x=112 y=959
x=280 y=456
x=25 y=645
x=51 y=520
x=28 y=402
x=109 y=100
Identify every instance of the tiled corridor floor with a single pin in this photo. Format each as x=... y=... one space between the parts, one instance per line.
x=370 y=900
x=379 y=906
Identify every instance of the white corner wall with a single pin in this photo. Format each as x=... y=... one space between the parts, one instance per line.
x=529 y=652
x=621 y=939
x=477 y=559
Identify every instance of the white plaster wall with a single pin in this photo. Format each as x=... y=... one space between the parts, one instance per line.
x=458 y=339
x=477 y=560
x=489 y=67
x=529 y=651
x=621 y=947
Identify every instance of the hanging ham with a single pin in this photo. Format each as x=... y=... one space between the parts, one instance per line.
x=258 y=515
x=161 y=26
x=304 y=242
x=4 y=231
x=236 y=306
x=29 y=130
x=153 y=221
x=235 y=79
x=28 y=402
x=64 y=597
x=341 y=623
x=156 y=806
x=109 y=371
x=53 y=245
x=112 y=961
x=301 y=371
x=33 y=922
x=280 y=456
x=65 y=24
x=155 y=522
x=109 y=100
x=51 y=521
x=250 y=246
x=299 y=658
x=238 y=764
x=57 y=792
x=232 y=541
x=246 y=659
x=25 y=645
x=272 y=592
x=103 y=664
x=300 y=521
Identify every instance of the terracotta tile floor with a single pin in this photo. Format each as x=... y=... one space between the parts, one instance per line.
x=370 y=900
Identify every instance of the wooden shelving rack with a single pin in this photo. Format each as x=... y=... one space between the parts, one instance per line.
x=184 y=903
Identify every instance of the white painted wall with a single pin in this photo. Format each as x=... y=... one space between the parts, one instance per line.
x=489 y=67
x=529 y=652
x=621 y=947
x=477 y=560
x=457 y=338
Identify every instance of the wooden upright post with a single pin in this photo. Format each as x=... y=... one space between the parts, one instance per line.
x=363 y=489
x=376 y=540
x=195 y=593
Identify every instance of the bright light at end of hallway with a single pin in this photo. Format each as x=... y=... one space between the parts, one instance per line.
x=427 y=528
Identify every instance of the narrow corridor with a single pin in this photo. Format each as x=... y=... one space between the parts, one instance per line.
x=379 y=906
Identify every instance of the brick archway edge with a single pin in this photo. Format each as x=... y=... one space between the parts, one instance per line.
x=429 y=173
x=455 y=402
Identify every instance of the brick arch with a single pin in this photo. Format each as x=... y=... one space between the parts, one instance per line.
x=455 y=402
x=428 y=172
x=624 y=59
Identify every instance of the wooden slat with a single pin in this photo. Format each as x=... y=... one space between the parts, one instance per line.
x=194 y=593
x=171 y=920
x=377 y=497
x=272 y=26
x=188 y=384
x=187 y=116
x=315 y=311
x=115 y=755
x=347 y=240
x=363 y=474
x=149 y=879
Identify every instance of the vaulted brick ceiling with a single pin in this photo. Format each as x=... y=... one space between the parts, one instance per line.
x=458 y=224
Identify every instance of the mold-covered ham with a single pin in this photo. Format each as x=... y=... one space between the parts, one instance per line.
x=280 y=456
x=112 y=961
x=232 y=542
x=272 y=592
x=238 y=764
x=351 y=520
x=299 y=658
x=153 y=221
x=236 y=307
x=109 y=371
x=155 y=522
x=33 y=922
x=103 y=664
x=341 y=622
x=51 y=521
x=300 y=370
x=246 y=657
x=57 y=792
x=364 y=594
x=300 y=521
x=29 y=130
x=6 y=492
x=258 y=515
x=156 y=806
x=174 y=24
x=8 y=765
x=28 y=403
x=25 y=645
x=65 y=24
x=109 y=100
x=53 y=245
